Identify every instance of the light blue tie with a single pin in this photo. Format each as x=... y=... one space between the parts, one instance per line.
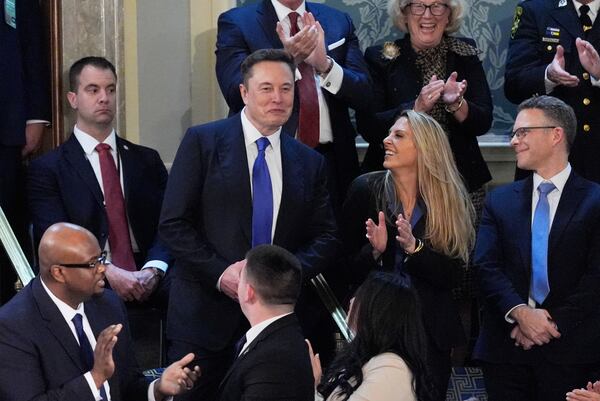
x=539 y=244
x=262 y=197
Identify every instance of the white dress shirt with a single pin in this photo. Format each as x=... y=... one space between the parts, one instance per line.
x=257 y=329
x=89 y=143
x=594 y=6
x=331 y=83
x=559 y=181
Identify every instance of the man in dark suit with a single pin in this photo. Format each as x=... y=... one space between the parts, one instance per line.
x=552 y=51
x=334 y=63
x=63 y=337
x=538 y=256
x=215 y=210
x=71 y=184
x=273 y=361
x=25 y=105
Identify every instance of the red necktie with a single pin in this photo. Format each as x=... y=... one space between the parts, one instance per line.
x=118 y=228
x=308 y=126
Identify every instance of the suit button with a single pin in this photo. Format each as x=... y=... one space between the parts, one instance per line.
x=586 y=101
x=586 y=128
x=586 y=76
x=328 y=84
x=549 y=48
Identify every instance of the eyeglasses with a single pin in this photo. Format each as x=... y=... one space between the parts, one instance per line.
x=521 y=132
x=436 y=9
x=100 y=260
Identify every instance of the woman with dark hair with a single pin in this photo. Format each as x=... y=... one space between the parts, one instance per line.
x=385 y=361
x=415 y=220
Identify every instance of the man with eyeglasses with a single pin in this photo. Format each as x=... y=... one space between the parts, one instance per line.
x=553 y=51
x=538 y=256
x=64 y=337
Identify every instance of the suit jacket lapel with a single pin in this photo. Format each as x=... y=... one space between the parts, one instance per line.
x=567 y=17
x=292 y=190
x=567 y=206
x=74 y=155
x=132 y=175
x=267 y=20
x=233 y=160
x=523 y=221
x=56 y=323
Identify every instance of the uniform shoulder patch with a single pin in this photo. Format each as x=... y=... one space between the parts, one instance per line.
x=516 y=21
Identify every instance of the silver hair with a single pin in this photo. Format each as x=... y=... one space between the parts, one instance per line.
x=396 y=12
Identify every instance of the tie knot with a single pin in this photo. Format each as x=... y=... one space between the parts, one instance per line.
x=103 y=147
x=293 y=16
x=584 y=9
x=262 y=143
x=545 y=187
x=77 y=319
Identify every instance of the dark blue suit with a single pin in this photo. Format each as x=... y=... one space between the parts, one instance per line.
x=62 y=186
x=41 y=357
x=243 y=30
x=503 y=259
x=24 y=96
x=207 y=223
x=530 y=52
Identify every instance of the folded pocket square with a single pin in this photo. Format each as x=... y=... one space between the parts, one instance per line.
x=336 y=44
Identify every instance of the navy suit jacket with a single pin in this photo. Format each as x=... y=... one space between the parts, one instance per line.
x=24 y=93
x=62 y=186
x=503 y=260
x=243 y=30
x=275 y=366
x=532 y=48
x=41 y=357
x=207 y=223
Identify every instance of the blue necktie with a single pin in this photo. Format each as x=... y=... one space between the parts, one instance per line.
x=262 y=197
x=539 y=244
x=85 y=349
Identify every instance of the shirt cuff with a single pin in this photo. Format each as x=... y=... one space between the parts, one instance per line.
x=159 y=264
x=219 y=282
x=37 y=122
x=547 y=83
x=507 y=316
x=151 y=393
x=333 y=81
x=595 y=82
x=92 y=384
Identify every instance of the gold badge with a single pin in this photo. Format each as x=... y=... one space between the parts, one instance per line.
x=516 y=21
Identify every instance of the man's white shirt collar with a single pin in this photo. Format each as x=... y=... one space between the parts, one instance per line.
x=282 y=11
x=257 y=329
x=251 y=134
x=559 y=180
x=89 y=143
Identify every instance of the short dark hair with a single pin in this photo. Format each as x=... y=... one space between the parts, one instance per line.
x=277 y=55
x=275 y=274
x=78 y=66
x=557 y=111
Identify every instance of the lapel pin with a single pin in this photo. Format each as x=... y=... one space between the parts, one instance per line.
x=562 y=3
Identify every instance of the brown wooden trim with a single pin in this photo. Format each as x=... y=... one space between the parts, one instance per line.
x=57 y=72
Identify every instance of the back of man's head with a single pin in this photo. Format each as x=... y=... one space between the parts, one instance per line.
x=275 y=274
x=95 y=61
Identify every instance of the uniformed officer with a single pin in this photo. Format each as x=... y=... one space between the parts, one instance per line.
x=552 y=51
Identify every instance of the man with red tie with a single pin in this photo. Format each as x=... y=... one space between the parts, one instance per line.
x=110 y=186
x=331 y=76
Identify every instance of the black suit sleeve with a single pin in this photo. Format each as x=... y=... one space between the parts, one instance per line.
x=44 y=197
x=180 y=222
x=525 y=65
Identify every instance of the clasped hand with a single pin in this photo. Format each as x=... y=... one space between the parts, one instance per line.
x=535 y=327
x=449 y=91
x=308 y=44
